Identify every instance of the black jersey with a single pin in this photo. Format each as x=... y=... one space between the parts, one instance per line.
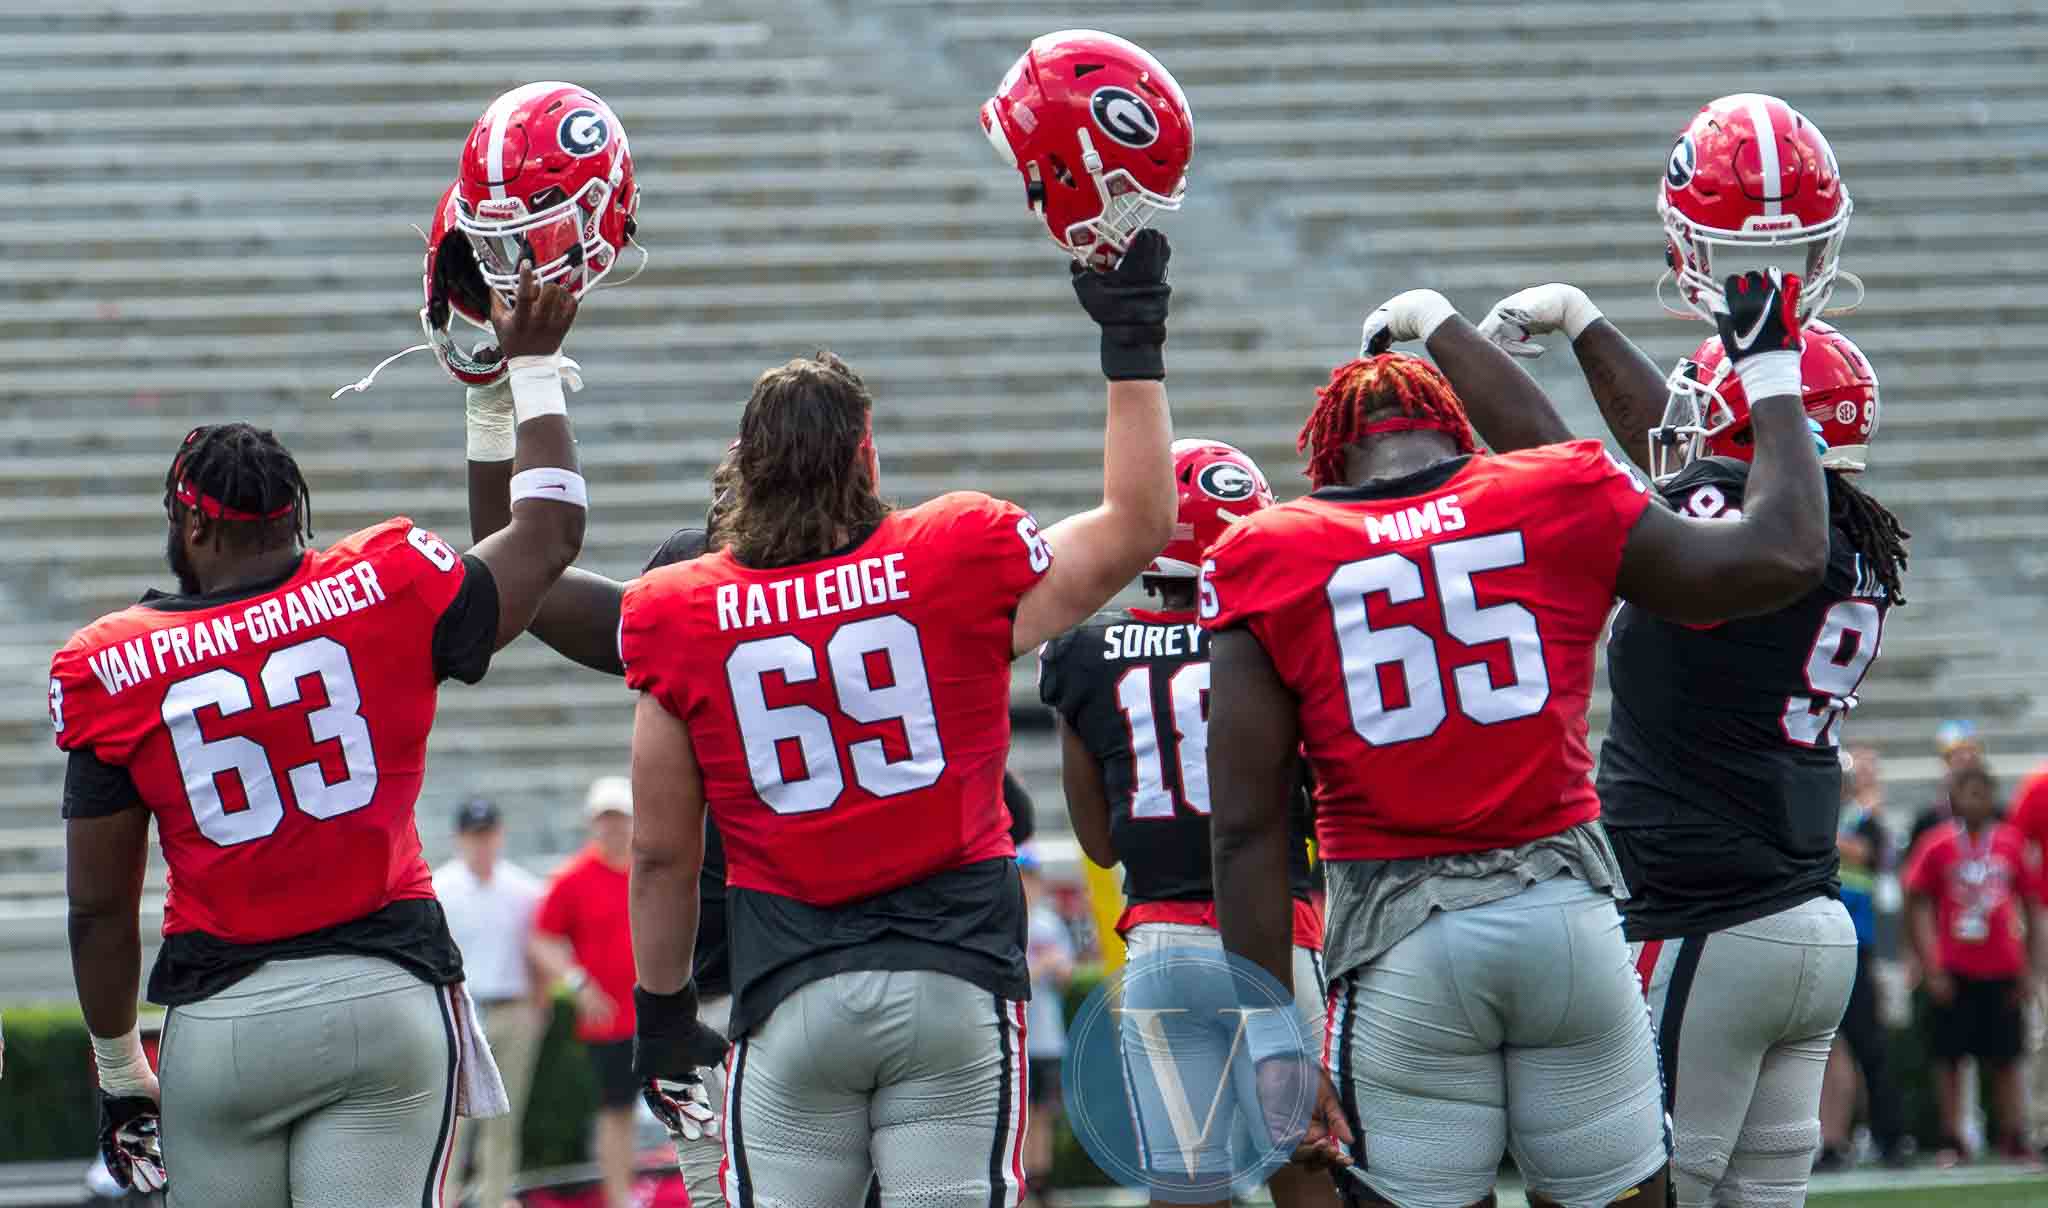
x=1720 y=780
x=1134 y=685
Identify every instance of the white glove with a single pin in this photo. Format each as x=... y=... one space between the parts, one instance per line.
x=1414 y=315
x=491 y=424
x=683 y=1106
x=1538 y=310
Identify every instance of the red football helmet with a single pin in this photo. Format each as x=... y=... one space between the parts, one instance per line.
x=1751 y=172
x=1709 y=415
x=1219 y=485
x=1101 y=134
x=546 y=175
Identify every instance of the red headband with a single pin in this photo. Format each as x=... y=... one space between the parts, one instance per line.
x=1409 y=424
x=189 y=495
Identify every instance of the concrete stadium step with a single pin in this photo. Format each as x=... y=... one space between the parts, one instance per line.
x=171 y=49
x=403 y=198
x=613 y=72
x=1481 y=97
x=128 y=17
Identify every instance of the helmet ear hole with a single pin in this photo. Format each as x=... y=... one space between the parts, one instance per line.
x=1060 y=171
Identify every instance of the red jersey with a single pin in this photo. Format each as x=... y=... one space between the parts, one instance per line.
x=278 y=733
x=586 y=904
x=2029 y=813
x=1978 y=886
x=1438 y=630
x=851 y=715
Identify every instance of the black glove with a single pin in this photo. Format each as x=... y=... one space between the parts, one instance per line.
x=1758 y=313
x=130 y=1141
x=1129 y=303
x=668 y=1041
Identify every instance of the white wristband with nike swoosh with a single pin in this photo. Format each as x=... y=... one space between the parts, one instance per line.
x=553 y=483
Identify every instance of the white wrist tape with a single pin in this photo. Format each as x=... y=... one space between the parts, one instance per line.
x=1768 y=374
x=537 y=387
x=1418 y=311
x=123 y=1069
x=493 y=433
x=1579 y=313
x=552 y=483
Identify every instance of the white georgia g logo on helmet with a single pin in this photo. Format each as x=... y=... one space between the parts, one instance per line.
x=1678 y=173
x=1124 y=116
x=583 y=132
x=1226 y=480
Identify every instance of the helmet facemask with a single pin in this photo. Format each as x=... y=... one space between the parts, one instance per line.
x=1690 y=251
x=1694 y=414
x=561 y=237
x=1127 y=206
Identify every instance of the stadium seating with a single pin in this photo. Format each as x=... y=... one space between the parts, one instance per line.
x=210 y=206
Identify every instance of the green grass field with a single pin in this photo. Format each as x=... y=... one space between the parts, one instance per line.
x=2030 y=1194
x=1979 y=1187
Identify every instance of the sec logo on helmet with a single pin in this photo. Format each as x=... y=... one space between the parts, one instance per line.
x=1124 y=116
x=1684 y=161
x=1222 y=480
x=583 y=132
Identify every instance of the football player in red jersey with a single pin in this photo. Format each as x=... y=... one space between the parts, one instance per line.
x=1730 y=854
x=1422 y=625
x=833 y=687
x=1129 y=692
x=272 y=717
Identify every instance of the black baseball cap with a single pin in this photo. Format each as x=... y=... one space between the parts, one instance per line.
x=477 y=814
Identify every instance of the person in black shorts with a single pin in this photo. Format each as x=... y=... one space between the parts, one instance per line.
x=1972 y=900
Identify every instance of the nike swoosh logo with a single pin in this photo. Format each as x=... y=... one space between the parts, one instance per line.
x=1748 y=338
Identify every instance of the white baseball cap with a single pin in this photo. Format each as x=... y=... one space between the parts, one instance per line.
x=609 y=795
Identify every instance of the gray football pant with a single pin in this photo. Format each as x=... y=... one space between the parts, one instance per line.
x=316 y=1082
x=1745 y=1018
x=914 y=1077
x=700 y=1159
x=1514 y=1025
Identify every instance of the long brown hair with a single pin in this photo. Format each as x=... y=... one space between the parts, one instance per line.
x=802 y=483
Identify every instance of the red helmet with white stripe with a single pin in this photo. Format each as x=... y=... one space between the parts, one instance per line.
x=1101 y=134
x=1708 y=414
x=1219 y=485
x=546 y=176
x=1752 y=172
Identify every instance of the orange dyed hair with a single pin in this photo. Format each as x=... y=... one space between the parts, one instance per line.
x=1391 y=381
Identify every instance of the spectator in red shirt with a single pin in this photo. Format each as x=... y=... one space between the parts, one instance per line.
x=1970 y=893
x=581 y=937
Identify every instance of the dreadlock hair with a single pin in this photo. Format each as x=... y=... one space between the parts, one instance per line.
x=801 y=482
x=246 y=469
x=1873 y=530
x=1373 y=386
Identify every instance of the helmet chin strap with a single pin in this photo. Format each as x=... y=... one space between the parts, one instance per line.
x=1829 y=309
x=363 y=383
